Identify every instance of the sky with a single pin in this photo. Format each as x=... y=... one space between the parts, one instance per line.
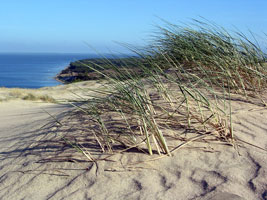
x=83 y=26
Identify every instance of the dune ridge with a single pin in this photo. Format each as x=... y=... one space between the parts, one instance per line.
x=37 y=164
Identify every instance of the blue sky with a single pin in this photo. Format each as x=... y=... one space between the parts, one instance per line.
x=66 y=25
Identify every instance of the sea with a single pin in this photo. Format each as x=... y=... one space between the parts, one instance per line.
x=34 y=70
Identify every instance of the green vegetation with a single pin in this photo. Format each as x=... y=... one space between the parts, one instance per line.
x=210 y=51
x=79 y=66
x=85 y=69
x=44 y=98
x=191 y=74
x=23 y=94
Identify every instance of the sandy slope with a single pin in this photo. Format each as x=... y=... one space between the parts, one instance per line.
x=37 y=164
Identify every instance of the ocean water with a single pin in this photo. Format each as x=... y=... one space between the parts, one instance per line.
x=34 y=70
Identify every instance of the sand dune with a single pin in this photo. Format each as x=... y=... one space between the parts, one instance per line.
x=37 y=164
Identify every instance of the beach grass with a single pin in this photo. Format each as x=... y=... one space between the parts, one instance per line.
x=181 y=91
x=25 y=94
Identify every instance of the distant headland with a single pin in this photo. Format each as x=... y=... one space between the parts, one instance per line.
x=96 y=68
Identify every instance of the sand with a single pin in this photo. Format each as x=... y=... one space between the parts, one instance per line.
x=37 y=164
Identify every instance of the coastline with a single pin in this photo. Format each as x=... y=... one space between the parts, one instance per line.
x=58 y=75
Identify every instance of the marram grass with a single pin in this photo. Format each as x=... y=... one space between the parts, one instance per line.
x=183 y=85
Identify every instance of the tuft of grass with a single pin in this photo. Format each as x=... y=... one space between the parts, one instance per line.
x=30 y=97
x=26 y=95
x=183 y=86
x=44 y=98
x=214 y=55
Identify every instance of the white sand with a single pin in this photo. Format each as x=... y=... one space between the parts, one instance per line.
x=36 y=164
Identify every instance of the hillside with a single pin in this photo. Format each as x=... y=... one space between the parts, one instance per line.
x=86 y=69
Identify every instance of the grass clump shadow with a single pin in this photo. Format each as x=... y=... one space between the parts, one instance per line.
x=181 y=91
